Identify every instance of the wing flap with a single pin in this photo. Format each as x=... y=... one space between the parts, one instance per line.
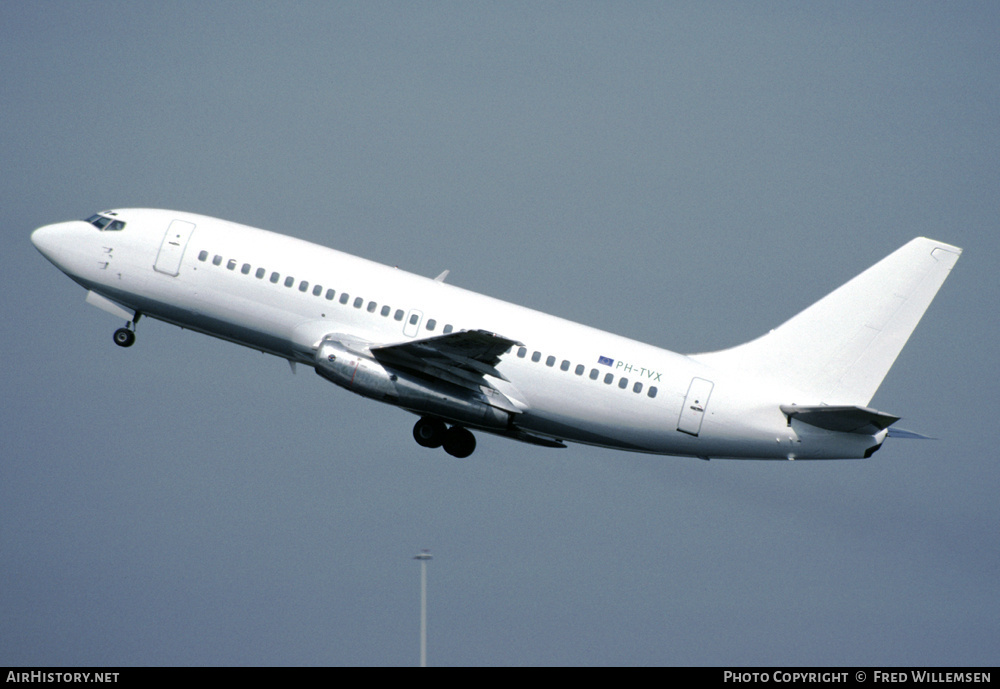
x=525 y=437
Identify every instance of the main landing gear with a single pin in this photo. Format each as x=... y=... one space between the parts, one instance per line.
x=457 y=441
x=125 y=337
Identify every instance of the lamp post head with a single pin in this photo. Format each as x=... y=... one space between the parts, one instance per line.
x=423 y=555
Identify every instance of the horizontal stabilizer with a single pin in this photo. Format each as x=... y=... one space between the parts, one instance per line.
x=900 y=433
x=844 y=419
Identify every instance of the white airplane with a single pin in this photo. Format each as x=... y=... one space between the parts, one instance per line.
x=460 y=360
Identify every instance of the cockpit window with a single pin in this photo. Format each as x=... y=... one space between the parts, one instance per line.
x=106 y=224
x=98 y=221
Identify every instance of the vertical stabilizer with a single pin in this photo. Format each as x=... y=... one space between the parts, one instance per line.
x=840 y=348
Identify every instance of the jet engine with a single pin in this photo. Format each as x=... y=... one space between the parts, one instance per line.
x=349 y=363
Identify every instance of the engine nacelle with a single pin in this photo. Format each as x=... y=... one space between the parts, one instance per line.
x=348 y=363
x=341 y=362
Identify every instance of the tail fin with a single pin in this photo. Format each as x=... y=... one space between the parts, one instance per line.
x=841 y=347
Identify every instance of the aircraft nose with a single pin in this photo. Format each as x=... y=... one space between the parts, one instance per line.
x=46 y=240
x=53 y=241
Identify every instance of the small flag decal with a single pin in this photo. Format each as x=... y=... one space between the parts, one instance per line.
x=605 y=360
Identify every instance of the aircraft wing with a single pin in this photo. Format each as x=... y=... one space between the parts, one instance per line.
x=462 y=358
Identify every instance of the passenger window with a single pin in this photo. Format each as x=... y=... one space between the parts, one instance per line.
x=447 y=329
x=549 y=361
x=372 y=306
x=652 y=391
x=217 y=260
x=623 y=383
x=579 y=369
x=564 y=366
x=594 y=373
x=231 y=265
x=608 y=378
x=317 y=290
x=303 y=286
x=330 y=294
x=521 y=352
x=414 y=318
x=385 y=311
x=536 y=356
x=275 y=277
x=398 y=316
x=358 y=301
x=344 y=297
x=203 y=256
x=289 y=281
x=245 y=269
x=431 y=324
x=260 y=273
x=637 y=388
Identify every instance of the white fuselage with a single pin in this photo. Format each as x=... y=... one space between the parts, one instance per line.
x=569 y=382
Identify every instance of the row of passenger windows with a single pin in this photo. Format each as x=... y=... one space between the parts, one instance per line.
x=317 y=290
x=595 y=373
x=430 y=325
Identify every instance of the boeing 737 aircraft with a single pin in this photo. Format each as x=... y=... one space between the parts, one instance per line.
x=462 y=361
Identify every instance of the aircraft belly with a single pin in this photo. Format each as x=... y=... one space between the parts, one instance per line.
x=189 y=314
x=578 y=431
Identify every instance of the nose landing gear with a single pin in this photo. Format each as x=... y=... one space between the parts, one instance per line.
x=125 y=337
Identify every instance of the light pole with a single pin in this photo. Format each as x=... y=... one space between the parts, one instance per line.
x=424 y=556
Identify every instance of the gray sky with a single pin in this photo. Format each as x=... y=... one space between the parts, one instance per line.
x=688 y=174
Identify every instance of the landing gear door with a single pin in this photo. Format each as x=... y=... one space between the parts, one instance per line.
x=693 y=411
x=168 y=260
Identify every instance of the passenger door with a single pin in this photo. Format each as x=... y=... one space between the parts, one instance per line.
x=693 y=411
x=175 y=240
